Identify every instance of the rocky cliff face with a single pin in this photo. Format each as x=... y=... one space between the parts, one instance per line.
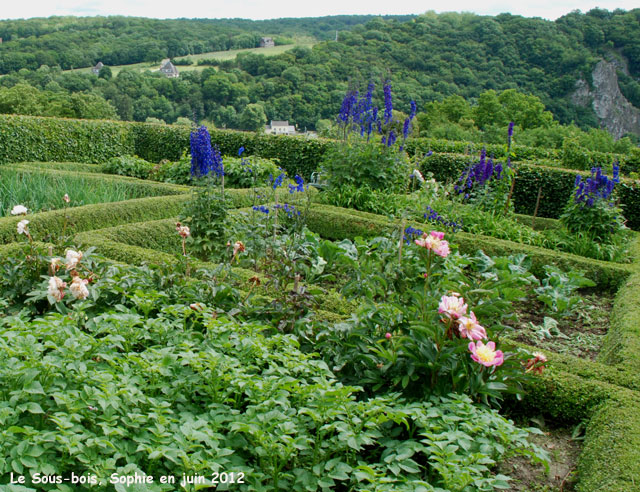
x=615 y=113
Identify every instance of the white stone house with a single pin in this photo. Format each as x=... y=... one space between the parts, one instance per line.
x=280 y=128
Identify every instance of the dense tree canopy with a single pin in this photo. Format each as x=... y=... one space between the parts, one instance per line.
x=469 y=75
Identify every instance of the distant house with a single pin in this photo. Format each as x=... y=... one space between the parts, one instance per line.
x=267 y=43
x=280 y=128
x=97 y=68
x=168 y=68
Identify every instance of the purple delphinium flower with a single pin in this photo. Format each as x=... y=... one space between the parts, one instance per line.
x=597 y=186
x=218 y=166
x=240 y=151
x=202 y=154
x=388 y=104
x=299 y=186
x=277 y=182
x=410 y=233
x=392 y=138
x=433 y=216
x=262 y=209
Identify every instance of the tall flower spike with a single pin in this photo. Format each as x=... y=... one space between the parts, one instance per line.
x=388 y=104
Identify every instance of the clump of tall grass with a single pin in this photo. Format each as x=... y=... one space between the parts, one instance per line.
x=42 y=191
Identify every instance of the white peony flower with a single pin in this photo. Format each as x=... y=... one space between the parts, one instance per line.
x=66 y=198
x=79 y=288
x=56 y=288
x=73 y=258
x=22 y=227
x=19 y=210
x=418 y=175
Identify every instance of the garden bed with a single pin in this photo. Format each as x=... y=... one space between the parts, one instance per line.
x=580 y=334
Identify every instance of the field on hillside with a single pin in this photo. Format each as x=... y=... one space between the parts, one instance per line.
x=217 y=55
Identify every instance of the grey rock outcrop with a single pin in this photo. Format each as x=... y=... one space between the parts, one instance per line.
x=614 y=111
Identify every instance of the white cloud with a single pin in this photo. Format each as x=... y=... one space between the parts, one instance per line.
x=259 y=9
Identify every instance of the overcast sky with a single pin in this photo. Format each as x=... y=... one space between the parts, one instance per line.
x=256 y=9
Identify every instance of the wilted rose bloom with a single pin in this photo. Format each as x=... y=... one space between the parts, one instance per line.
x=56 y=288
x=196 y=306
x=19 y=210
x=78 y=288
x=487 y=355
x=452 y=306
x=434 y=242
x=73 y=258
x=536 y=364
x=470 y=328
x=418 y=175
x=183 y=230
x=55 y=264
x=66 y=198
x=238 y=247
x=22 y=227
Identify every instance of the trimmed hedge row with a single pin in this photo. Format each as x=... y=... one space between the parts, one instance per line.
x=50 y=224
x=339 y=223
x=622 y=343
x=62 y=166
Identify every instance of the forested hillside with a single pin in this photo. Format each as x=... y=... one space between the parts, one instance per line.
x=72 y=42
x=428 y=58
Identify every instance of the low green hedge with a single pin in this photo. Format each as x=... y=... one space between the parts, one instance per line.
x=45 y=225
x=62 y=166
x=338 y=223
x=610 y=459
x=622 y=344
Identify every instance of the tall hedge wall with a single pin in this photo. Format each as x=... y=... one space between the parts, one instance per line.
x=31 y=138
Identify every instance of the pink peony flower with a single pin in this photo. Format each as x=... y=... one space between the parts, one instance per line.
x=56 y=288
x=470 y=328
x=452 y=306
x=78 y=288
x=387 y=336
x=434 y=241
x=487 y=355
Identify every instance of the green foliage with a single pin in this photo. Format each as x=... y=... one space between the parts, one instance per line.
x=206 y=215
x=128 y=165
x=365 y=164
x=557 y=289
x=574 y=156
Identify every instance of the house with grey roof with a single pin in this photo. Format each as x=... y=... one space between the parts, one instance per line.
x=97 y=68
x=168 y=68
